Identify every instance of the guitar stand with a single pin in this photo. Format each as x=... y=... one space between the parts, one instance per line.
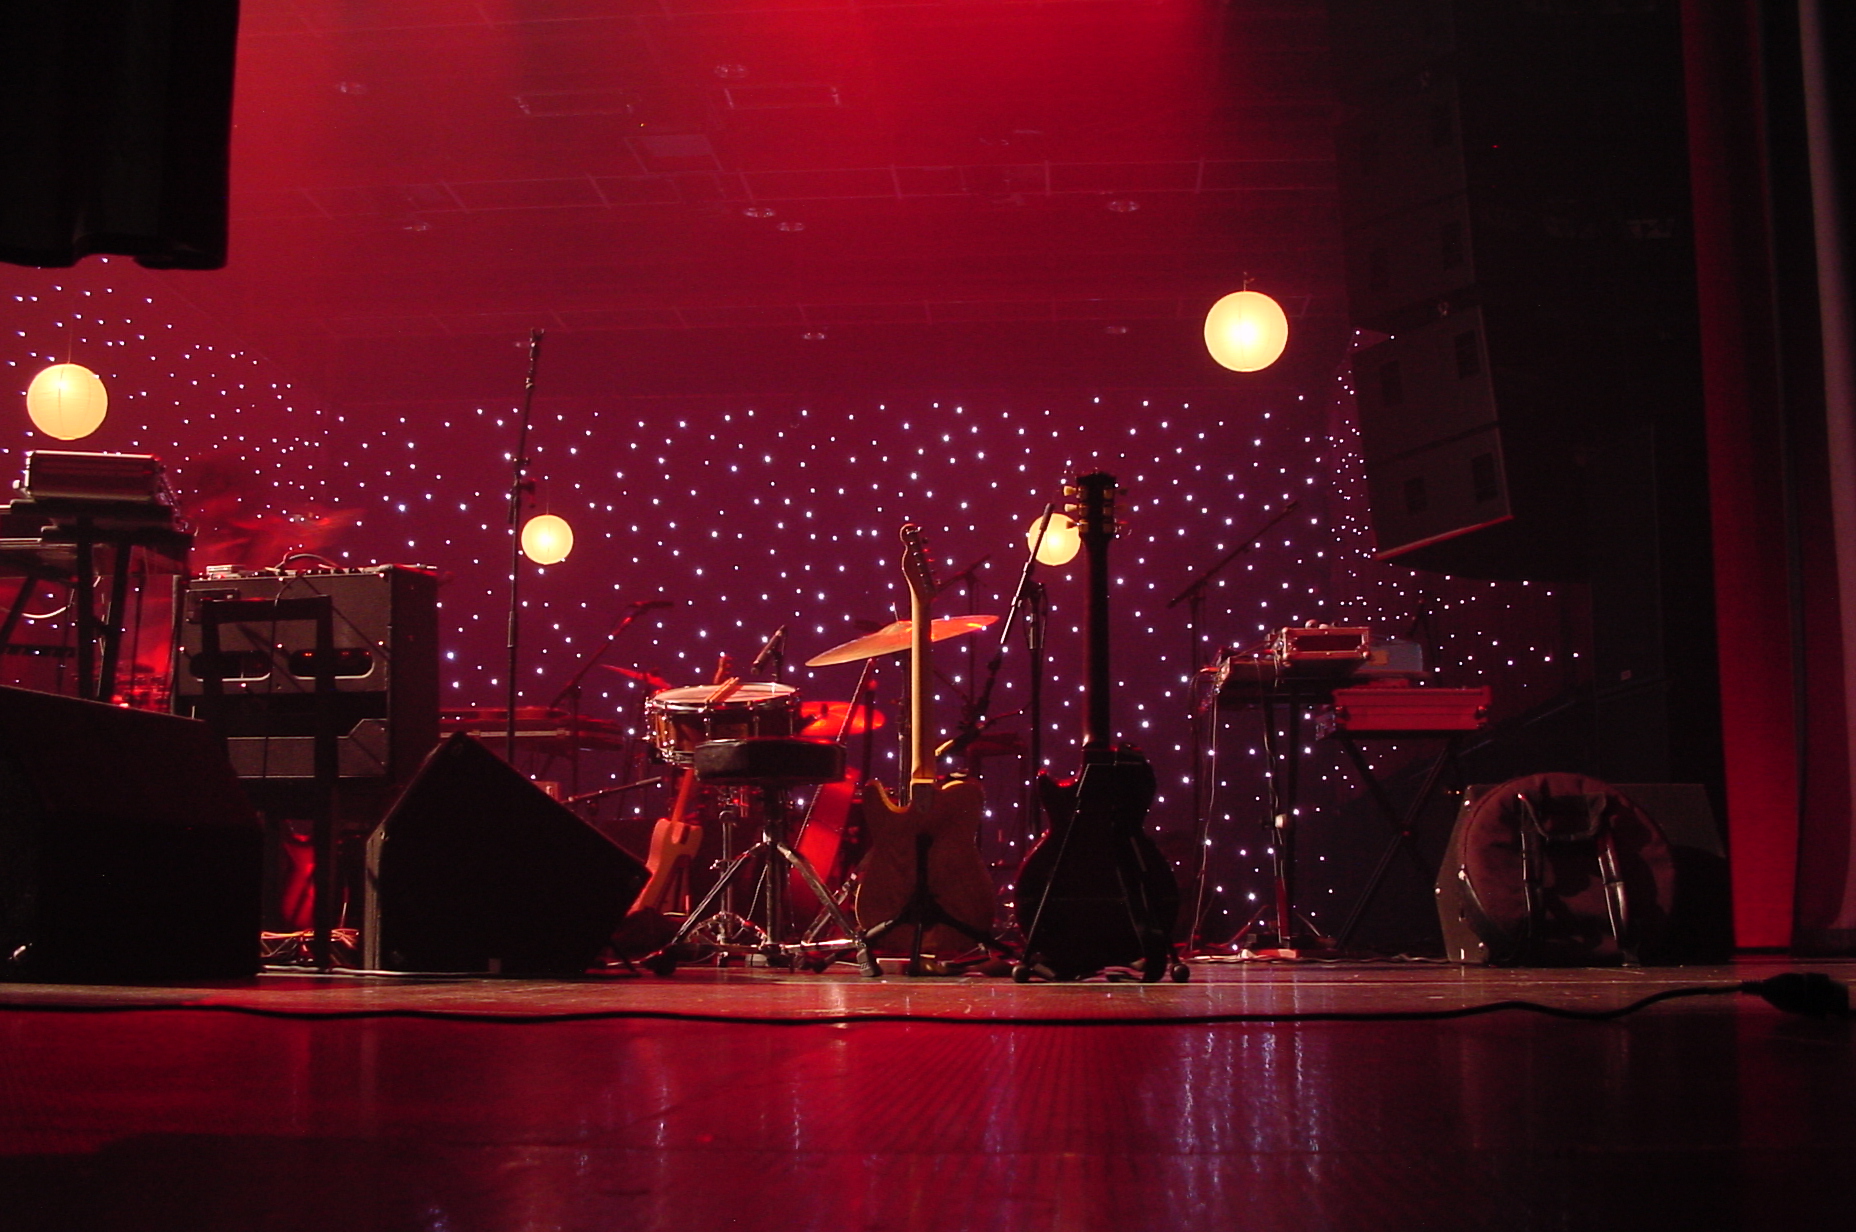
x=772 y=764
x=924 y=911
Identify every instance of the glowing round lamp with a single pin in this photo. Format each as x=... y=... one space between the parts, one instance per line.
x=1061 y=539
x=67 y=401
x=1246 y=331
x=546 y=539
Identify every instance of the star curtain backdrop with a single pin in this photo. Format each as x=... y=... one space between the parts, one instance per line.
x=753 y=513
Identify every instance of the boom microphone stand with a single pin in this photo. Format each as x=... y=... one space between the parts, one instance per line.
x=1205 y=716
x=519 y=485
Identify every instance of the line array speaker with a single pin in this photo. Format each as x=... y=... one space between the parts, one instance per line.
x=1514 y=205
x=127 y=848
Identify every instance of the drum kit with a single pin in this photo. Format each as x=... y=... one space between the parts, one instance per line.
x=752 y=744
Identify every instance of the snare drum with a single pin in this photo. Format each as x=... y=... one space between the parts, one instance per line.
x=681 y=719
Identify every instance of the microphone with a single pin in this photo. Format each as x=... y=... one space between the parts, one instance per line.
x=774 y=649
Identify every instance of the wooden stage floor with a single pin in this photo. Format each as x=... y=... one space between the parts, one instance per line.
x=1257 y=1096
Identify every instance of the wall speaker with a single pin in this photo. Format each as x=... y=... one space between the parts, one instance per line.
x=1534 y=285
x=474 y=868
x=127 y=849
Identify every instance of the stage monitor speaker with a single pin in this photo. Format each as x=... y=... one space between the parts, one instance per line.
x=127 y=849
x=476 y=869
x=386 y=672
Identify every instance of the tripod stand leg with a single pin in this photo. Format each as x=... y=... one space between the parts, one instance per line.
x=923 y=911
x=663 y=962
x=851 y=932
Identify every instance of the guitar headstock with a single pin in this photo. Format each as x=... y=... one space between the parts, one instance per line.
x=917 y=568
x=1092 y=506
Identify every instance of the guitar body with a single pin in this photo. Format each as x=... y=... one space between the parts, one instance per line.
x=946 y=813
x=647 y=927
x=1095 y=892
x=673 y=845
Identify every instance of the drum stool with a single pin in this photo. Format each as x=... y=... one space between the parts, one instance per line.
x=773 y=765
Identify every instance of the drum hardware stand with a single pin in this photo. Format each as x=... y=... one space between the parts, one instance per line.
x=570 y=692
x=771 y=764
x=774 y=652
x=1204 y=744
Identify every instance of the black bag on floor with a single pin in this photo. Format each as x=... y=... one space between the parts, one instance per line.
x=1554 y=870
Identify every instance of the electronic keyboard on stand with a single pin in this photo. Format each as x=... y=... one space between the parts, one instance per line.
x=68 y=506
x=1356 y=689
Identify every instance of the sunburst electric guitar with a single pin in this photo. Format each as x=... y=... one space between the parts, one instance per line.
x=923 y=872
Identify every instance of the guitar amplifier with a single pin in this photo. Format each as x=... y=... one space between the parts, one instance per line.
x=385 y=652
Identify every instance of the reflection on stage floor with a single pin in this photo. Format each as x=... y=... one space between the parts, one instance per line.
x=1259 y=1095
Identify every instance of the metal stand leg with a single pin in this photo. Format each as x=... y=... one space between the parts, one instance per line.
x=771 y=856
x=1404 y=824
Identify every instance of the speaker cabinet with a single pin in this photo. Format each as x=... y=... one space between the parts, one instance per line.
x=476 y=869
x=127 y=849
x=1514 y=205
x=385 y=639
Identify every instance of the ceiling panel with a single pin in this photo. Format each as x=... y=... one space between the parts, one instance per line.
x=427 y=169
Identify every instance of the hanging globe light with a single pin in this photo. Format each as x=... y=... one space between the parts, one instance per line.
x=1061 y=539
x=547 y=539
x=1246 y=331
x=67 y=402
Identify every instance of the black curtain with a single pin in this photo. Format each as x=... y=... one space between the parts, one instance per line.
x=115 y=123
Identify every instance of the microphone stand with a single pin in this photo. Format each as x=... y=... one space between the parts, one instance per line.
x=1203 y=717
x=519 y=484
x=1029 y=598
x=774 y=652
x=571 y=693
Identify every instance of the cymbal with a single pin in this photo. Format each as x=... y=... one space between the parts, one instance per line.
x=827 y=719
x=898 y=636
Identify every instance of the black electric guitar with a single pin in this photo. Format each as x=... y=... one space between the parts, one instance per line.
x=1095 y=893
x=923 y=886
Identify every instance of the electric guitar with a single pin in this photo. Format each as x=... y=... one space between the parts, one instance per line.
x=924 y=848
x=1095 y=892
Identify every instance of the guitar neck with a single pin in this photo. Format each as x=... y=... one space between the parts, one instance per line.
x=1098 y=729
x=921 y=690
x=1096 y=517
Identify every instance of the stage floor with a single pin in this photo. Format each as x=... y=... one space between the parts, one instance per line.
x=1257 y=1095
